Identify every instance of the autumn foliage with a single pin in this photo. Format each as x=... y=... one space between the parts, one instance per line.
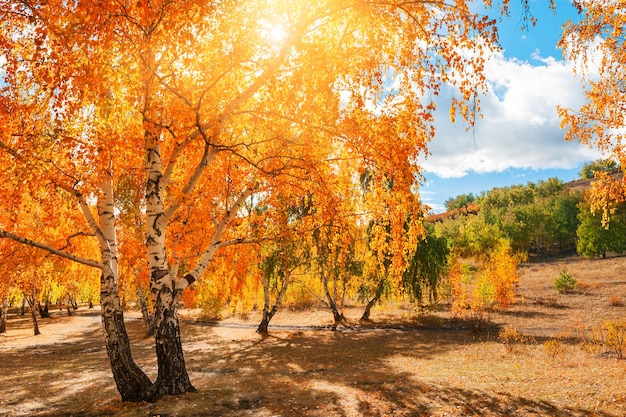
x=148 y=139
x=596 y=45
x=481 y=284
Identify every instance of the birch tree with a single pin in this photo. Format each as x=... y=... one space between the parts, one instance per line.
x=214 y=105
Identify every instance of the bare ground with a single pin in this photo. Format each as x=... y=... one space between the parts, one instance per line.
x=403 y=364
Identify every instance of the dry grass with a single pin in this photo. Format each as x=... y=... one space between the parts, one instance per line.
x=554 y=362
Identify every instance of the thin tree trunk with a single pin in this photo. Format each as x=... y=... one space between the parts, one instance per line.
x=338 y=317
x=32 y=302
x=368 y=308
x=23 y=308
x=148 y=318
x=267 y=313
x=3 y=314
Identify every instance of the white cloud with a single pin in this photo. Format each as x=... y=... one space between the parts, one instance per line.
x=520 y=129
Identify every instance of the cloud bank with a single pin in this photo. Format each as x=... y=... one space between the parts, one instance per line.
x=520 y=128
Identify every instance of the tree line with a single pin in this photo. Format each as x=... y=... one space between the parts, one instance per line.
x=546 y=217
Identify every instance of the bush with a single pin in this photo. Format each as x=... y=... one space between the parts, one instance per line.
x=615 y=337
x=616 y=301
x=553 y=348
x=565 y=282
x=509 y=337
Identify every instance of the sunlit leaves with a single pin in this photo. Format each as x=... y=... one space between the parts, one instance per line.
x=251 y=105
x=596 y=45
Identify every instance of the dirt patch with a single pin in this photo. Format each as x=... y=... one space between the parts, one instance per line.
x=400 y=365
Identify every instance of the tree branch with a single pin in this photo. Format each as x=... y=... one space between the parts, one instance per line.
x=63 y=254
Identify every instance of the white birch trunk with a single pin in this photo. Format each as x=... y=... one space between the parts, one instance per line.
x=172 y=378
x=132 y=383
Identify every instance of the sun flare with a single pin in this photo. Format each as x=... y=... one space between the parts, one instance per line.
x=273 y=32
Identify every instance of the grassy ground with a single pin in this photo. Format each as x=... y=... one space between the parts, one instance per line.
x=553 y=364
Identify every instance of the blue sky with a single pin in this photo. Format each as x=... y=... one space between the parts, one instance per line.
x=519 y=140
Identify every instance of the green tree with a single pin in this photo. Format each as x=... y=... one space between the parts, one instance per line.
x=599 y=165
x=564 y=221
x=459 y=201
x=427 y=268
x=594 y=239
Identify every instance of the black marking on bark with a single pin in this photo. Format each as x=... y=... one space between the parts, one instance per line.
x=158 y=274
x=190 y=279
x=154 y=224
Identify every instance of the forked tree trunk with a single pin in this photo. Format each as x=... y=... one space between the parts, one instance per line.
x=368 y=308
x=338 y=317
x=44 y=312
x=267 y=313
x=71 y=302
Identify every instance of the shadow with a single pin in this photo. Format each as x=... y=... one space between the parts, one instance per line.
x=550 y=303
x=526 y=314
x=63 y=375
x=381 y=370
x=313 y=373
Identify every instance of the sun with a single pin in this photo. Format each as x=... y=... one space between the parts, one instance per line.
x=273 y=32
x=277 y=33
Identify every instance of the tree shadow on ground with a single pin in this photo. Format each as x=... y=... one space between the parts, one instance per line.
x=350 y=373
x=367 y=372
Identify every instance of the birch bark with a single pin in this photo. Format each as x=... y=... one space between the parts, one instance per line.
x=132 y=383
x=172 y=378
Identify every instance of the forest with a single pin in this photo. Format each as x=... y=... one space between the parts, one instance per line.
x=252 y=158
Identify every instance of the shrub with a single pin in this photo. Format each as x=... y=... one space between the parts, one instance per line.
x=211 y=309
x=484 y=283
x=553 y=348
x=615 y=337
x=509 y=337
x=565 y=282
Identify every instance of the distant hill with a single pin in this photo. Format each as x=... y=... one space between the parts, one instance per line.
x=583 y=185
